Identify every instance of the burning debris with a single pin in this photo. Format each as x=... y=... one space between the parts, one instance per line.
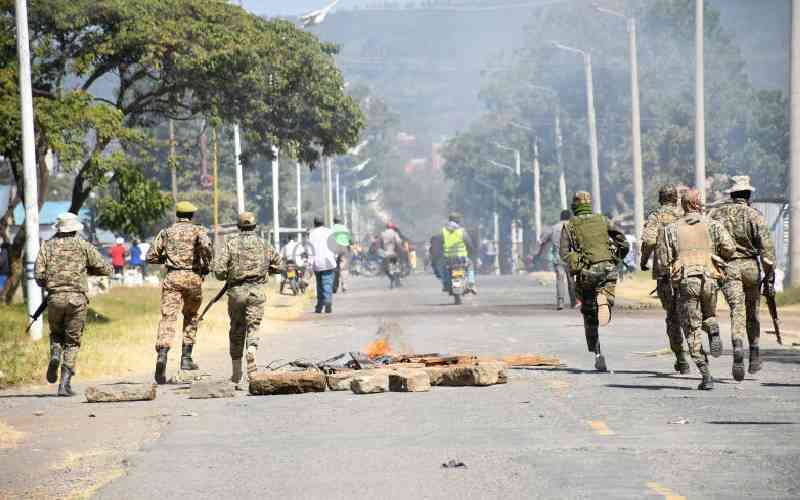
x=387 y=364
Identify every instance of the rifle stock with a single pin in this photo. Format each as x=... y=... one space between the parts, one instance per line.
x=213 y=301
x=37 y=314
x=768 y=291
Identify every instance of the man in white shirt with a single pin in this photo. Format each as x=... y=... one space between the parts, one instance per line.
x=322 y=244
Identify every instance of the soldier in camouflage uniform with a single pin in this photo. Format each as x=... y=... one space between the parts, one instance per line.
x=692 y=248
x=666 y=214
x=61 y=269
x=742 y=280
x=244 y=264
x=185 y=251
x=590 y=246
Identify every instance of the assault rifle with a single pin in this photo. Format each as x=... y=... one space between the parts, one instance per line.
x=213 y=301
x=768 y=291
x=37 y=314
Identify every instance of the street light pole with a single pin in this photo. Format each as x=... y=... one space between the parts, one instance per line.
x=31 y=190
x=338 y=192
x=496 y=219
x=276 y=220
x=794 y=168
x=699 y=102
x=537 y=195
x=237 y=156
x=298 y=173
x=517 y=231
x=562 y=177
x=329 y=194
x=592 y=118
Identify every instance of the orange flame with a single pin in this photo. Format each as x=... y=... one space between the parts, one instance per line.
x=378 y=347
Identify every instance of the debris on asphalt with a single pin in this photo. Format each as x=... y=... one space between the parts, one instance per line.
x=211 y=389
x=188 y=414
x=92 y=415
x=453 y=464
x=680 y=421
x=38 y=413
x=188 y=376
x=122 y=391
x=287 y=382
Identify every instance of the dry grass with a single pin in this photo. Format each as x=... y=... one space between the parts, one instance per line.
x=120 y=333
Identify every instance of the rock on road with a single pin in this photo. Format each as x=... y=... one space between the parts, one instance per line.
x=639 y=432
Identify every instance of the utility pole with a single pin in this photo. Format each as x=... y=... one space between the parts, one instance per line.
x=699 y=103
x=173 y=161
x=562 y=177
x=276 y=219
x=299 y=197
x=329 y=194
x=636 y=126
x=597 y=204
x=324 y=182
x=794 y=168
x=215 y=169
x=237 y=156
x=496 y=220
x=517 y=232
x=537 y=194
x=338 y=192
x=31 y=191
x=344 y=205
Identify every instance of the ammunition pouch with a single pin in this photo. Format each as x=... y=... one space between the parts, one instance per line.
x=575 y=263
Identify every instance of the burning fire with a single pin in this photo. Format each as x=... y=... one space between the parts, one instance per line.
x=378 y=347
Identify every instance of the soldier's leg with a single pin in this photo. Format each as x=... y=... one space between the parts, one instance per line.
x=588 y=297
x=751 y=281
x=606 y=292
x=171 y=304
x=254 y=314
x=192 y=300
x=733 y=291
x=561 y=284
x=571 y=287
x=56 y=321
x=75 y=320
x=692 y=319
x=669 y=302
x=236 y=334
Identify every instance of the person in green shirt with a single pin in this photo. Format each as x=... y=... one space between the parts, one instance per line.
x=343 y=239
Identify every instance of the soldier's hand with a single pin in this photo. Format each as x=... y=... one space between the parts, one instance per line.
x=643 y=266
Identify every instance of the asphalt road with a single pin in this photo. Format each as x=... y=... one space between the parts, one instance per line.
x=639 y=432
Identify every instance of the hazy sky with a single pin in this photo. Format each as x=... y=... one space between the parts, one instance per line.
x=286 y=7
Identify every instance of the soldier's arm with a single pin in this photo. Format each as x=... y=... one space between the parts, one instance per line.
x=764 y=243
x=40 y=268
x=649 y=239
x=220 y=263
x=726 y=247
x=156 y=251
x=96 y=265
x=619 y=240
x=663 y=251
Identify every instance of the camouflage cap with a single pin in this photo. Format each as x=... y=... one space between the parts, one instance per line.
x=67 y=222
x=582 y=198
x=247 y=219
x=185 y=207
x=740 y=183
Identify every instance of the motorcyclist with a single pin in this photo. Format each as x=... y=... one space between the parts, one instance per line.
x=390 y=243
x=457 y=243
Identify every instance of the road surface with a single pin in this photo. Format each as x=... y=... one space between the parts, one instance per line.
x=641 y=431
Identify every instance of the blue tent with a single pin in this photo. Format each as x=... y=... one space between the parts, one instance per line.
x=48 y=212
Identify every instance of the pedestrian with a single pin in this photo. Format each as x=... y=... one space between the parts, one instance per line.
x=323 y=260
x=144 y=247
x=565 y=283
x=457 y=245
x=118 y=254
x=692 y=248
x=741 y=284
x=5 y=263
x=245 y=263
x=344 y=240
x=185 y=251
x=391 y=245
x=136 y=257
x=665 y=215
x=590 y=246
x=62 y=267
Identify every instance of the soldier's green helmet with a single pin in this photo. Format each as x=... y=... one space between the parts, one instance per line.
x=185 y=207
x=247 y=220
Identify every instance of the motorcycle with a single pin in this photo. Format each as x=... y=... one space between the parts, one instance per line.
x=292 y=277
x=458 y=279
x=394 y=270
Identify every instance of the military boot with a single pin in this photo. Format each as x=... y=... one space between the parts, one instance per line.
x=186 y=358
x=236 y=377
x=708 y=381
x=714 y=340
x=592 y=338
x=55 y=362
x=738 y=360
x=755 y=360
x=599 y=359
x=161 y=365
x=682 y=363
x=65 y=387
x=251 y=361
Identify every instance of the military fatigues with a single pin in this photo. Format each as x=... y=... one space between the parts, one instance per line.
x=742 y=281
x=185 y=250
x=689 y=247
x=244 y=264
x=61 y=268
x=665 y=215
x=586 y=247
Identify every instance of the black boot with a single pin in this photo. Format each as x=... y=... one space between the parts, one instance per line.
x=186 y=358
x=599 y=359
x=161 y=365
x=236 y=376
x=682 y=364
x=55 y=362
x=65 y=387
x=738 y=360
x=708 y=381
x=592 y=338
x=755 y=360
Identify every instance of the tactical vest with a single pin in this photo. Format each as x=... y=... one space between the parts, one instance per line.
x=591 y=238
x=248 y=259
x=66 y=265
x=695 y=249
x=454 y=243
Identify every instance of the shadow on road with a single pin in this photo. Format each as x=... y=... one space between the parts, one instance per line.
x=774 y=384
x=727 y=422
x=29 y=396
x=781 y=355
x=650 y=387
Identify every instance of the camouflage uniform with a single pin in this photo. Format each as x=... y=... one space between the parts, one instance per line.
x=590 y=258
x=656 y=221
x=742 y=280
x=61 y=268
x=689 y=246
x=185 y=250
x=244 y=264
